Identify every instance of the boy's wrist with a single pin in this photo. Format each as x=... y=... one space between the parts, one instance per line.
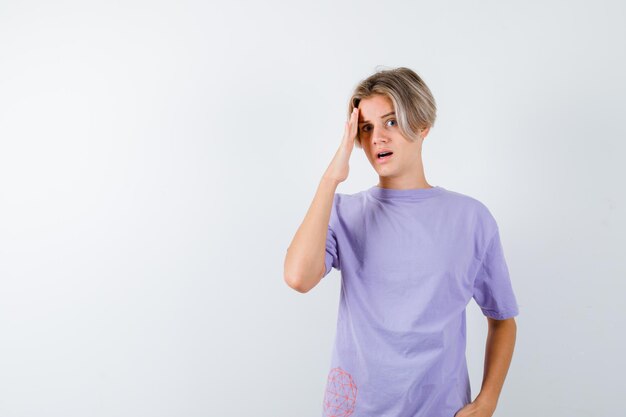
x=486 y=399
x=330 y=181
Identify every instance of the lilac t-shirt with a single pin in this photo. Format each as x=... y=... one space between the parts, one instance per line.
x=410 y=262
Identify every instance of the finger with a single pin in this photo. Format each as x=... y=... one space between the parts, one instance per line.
x=355 y=126
x=350 y=125
x=350 y=122
x=346 y=133
x=353 y=118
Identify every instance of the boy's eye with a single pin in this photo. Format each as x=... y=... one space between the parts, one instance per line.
x=365 y=128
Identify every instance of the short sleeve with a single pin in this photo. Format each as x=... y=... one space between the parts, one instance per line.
x=332 y=253
x=493 y=291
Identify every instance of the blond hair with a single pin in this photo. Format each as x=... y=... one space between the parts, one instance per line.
x=412 y=100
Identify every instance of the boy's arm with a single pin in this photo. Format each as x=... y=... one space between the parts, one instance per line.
x=306 y=253
x=304 y=262
x=498 y=354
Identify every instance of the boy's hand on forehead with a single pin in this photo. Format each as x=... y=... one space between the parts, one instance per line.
x=339 y=167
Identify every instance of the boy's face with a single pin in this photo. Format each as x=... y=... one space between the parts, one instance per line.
x=379 y=131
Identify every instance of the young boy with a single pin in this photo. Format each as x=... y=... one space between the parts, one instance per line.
x=411 y=257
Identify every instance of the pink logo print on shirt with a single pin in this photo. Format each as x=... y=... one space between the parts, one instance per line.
x=340 y=396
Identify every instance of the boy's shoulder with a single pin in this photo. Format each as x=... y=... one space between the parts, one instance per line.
x=474 y=209
x=466 y=199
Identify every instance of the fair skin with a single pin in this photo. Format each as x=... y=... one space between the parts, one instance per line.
x=378 y=129
x=498 y=354
x=304 y=262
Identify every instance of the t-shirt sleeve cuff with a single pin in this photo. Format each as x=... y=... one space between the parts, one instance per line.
x=328 y=262
x=502 y=314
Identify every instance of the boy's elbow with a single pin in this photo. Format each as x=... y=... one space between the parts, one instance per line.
x=298 y=276
x=296 y=283
x=301 y=282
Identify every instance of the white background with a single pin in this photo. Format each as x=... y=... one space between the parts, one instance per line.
x=156 y=159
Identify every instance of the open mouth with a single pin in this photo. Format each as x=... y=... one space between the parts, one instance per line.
x=383 y=156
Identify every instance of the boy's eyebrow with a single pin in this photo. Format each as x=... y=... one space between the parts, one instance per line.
x=382 y=117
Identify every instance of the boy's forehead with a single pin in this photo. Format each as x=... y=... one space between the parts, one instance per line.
x=374 y=108
x=375 y=114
